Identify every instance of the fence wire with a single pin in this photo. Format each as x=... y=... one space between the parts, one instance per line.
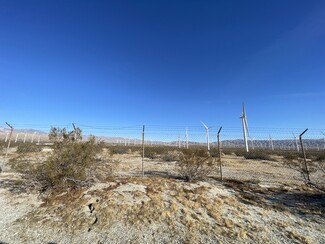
x=178 y=136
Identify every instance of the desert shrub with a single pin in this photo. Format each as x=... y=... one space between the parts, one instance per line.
x=23 y=165
x=153 y=152
x=119 y=150
x=2 y=145
x=319 y=156
x=195 y=164
x=67 y=166
x=240 y=152
x=170 y=156
x=214 y=152
x=150 y=152
x=259 y=155
x=28 y=148
x=290 y=156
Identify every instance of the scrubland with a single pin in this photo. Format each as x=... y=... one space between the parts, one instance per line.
x=262 y=197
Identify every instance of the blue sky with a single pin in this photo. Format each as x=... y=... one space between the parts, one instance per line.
x=163 y=62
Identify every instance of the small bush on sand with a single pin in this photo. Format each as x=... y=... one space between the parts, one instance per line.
x=259 y=155
x=195 y=164
x=170 y=156
x=150 y=152
x=120 y=150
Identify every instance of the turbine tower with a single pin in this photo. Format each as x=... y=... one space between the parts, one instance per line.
x=245 y=127
x=271 y=143
x=207 y=134
x=296 y=140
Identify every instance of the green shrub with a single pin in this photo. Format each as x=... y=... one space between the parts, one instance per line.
x=195 y=164
x=67 y=166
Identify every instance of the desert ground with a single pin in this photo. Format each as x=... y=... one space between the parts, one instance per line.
x=258 y=201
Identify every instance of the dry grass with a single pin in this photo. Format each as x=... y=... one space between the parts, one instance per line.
x=161 y=205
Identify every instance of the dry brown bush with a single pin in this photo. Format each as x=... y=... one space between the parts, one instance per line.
x=195 y=164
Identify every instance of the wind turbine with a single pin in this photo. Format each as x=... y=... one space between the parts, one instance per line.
x=296 y=140
x=179 y=141
x=186 y=138
x=33 y=137
x=271 y=142
x=207 y=134
x=17 y=137
x=245 y=128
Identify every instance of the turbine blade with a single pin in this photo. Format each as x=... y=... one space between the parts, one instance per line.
x=206 y=127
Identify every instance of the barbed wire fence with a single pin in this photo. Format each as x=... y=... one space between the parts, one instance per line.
x=177 y=136
x=170 y=138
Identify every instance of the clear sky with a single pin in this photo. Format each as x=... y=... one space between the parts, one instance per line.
x=163 y=62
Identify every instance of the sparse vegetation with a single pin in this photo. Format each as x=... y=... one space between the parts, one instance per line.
x=69 y=164
x=28 y=147
x=257 y=155
x=171 y=156
x=195 y=164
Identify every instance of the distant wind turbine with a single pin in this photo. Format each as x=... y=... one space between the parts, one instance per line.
x=271 y=142
x=245 y=127
x=17 y=137
x=207 y=134
x=296 y=141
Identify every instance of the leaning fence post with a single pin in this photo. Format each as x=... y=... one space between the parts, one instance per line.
x=142 y=150
x=304 y=154
x=11 y=130
x=219 y=152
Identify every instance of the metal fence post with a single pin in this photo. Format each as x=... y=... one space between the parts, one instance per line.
x=142 y=150
x=11 y=130
x=304 y=154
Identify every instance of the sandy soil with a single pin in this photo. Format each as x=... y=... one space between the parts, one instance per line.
x=257 y=202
